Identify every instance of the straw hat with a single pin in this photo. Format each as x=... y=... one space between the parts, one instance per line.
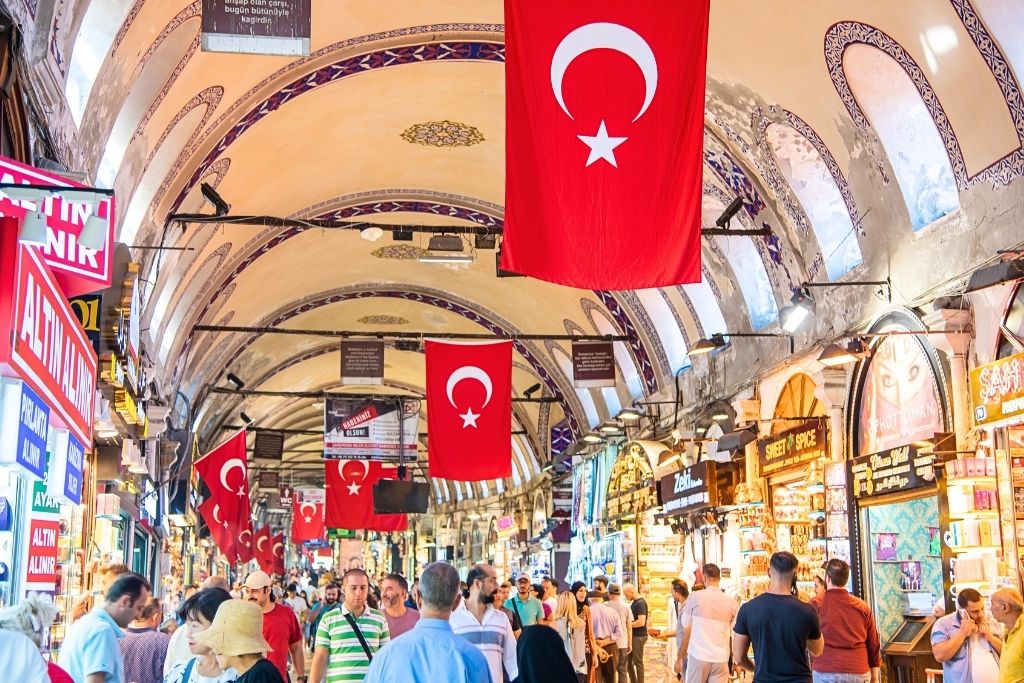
x=237 y=629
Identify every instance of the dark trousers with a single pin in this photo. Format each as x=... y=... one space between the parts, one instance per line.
x=606 y=671
x=636 y=660
x=623 y=667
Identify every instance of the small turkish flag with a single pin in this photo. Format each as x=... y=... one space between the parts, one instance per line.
x=469 y=410
x=226 y=474
x=604 y=138
x=350 y=496
x=308 y=516
x=277 y=554
x=220 y=529
x=265 y=549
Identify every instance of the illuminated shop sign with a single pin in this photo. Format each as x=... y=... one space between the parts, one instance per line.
x=693 y=488
x=793 y=447
x=997 y=389
x=897 y=469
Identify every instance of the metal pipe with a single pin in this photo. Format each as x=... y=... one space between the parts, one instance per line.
x=388 y=334
x=322 y=394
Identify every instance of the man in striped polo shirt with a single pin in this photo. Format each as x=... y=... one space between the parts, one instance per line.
x=338 y=649
x=477 y=620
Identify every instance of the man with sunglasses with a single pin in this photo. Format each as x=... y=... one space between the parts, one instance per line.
x=280 y=627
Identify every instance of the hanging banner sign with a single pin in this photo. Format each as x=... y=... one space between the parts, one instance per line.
x=891 y=471
x=997 y=389
x=370 y=428
x=593 y=364
x=268 y=446
x=50 y=351
x=268 y=479
x=64 y=479
x=78 y=269
x=285 y=492
x=340 y=533
x=24 y=425
x=88 y=309
x=793 y=447
x=261 y=27
x=362 y=362
x=693 y=488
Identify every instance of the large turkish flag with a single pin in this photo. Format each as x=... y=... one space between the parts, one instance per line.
x=350 y=496
x=604 y=130
x=469 y=410
x=308 y=516
x=226 y=474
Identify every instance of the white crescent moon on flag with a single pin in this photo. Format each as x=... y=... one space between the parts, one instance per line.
x=259 y=543
x=216 y=514
x=612 y=37
x=364 y=463
x=307 y=505
x=228 y=466
x=276 y=546
x=241 y=537
x=469 y=372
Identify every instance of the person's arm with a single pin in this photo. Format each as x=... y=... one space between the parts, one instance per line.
x=98 y=677
x=815 y=646
x=588 y=615
x=740 y=656
x=319 y=666
x=641 y=619
x=509 y=652
x=985 y=629
x=874 y=648
x=296 y=648
x=945 y=647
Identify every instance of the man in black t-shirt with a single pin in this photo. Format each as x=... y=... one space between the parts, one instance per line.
x=638 y=606
x=780 y=624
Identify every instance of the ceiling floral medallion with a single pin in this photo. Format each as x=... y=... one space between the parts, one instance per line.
x=383 y=320
x=399 y=252
x=443 y=134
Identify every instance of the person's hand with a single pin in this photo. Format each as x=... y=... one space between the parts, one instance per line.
x=678 y=666
x=967 y=625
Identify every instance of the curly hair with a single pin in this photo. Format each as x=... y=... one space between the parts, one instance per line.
x=33 y=617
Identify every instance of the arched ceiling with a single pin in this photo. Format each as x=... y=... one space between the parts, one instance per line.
x=398 y=115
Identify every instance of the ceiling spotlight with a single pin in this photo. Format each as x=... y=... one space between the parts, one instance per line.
x=401 y=235
x=730 y=212
x=220 y=207
x=609 y=428
x=628 y=415
x=94 y=233
x=27 y=194
x=791 y=317
x=371 y=234
x=532 y=390
x=485 y=241
x=234 y=379
x=33 y=228
x=593 y=438
x=720 y=416
x=245 y=418
x=836 y=355
x=444 y=243
x=74 y=195
x=703 y=346
x=407 y=345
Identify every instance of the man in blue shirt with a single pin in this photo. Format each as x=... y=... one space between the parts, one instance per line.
x=431 y=652
x=529 y=609
x=90 y=653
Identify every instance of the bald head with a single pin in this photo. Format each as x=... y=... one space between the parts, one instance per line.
x=1007 y=606
x=216 y=581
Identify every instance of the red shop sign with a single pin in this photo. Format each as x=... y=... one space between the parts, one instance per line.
x=50 y=350
x=78 y=270
x=41 y=570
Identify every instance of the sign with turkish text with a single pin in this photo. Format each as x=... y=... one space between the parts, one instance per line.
x=78 y=269
x=24 y=426
x=49 y=349
x=268 y=446
x=261 y=27
x=593 y=364
x=41 y=569
x=268 y=479
x=997 y=389
x=341 y=533
x=891 y=471
x=286 y=494
x=64 y=479
x=689 y=489
x=793 y=447
x=364 y=428
x=362 y=362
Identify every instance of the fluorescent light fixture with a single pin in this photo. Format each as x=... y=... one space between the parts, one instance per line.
x=791 y=317
x=730 y=212
x=371 y=234
x=220 y=207
x=94 y=233
x=77 y=195
x=716 y=341
x=401 y=235
x=628 y=415
x=245 y=418
x=593 y=438
x=234 y=379
x=444 y=243
x=447 y=258
x=33 y=228
x=27 y=194
x=107 y=433
x=547 y=468
x=609 y=428
x=720 y=416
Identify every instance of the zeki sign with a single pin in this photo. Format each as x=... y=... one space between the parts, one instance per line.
x=50 y=351
x=78 y=270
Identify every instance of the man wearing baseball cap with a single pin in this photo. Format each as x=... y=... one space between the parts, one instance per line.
x=528 y=608
x=280 y=627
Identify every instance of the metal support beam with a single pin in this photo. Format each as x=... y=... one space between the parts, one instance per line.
x=322 y=394
x=313 y=432
x=389 y=334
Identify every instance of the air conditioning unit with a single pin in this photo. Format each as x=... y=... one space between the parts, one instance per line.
x=445 y=243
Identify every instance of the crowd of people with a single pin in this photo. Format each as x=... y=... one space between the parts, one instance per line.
x=484 y=631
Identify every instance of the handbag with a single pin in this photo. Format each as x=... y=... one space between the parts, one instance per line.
x=359 y=634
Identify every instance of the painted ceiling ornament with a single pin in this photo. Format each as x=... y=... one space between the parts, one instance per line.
x=382 y=319
x=596 y=36
x=469 y=418
x=353 y=487
x=228 y=466
x=399 y=252
x=443 y=134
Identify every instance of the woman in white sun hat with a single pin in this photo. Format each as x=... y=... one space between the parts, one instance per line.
x=236 y=638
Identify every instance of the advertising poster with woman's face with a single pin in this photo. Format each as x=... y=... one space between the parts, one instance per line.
x=900 y=403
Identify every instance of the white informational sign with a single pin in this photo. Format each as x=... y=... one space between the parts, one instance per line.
x=361 y=428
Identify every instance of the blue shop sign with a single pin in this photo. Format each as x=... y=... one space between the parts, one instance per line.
x=26 y=418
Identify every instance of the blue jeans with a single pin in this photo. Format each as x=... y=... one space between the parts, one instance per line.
x=841 y=678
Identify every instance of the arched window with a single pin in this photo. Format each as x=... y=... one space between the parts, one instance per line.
x=895 y=109
x=102 y=21
x=814 y=185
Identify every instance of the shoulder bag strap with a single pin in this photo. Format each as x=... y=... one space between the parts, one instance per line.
x=187 y=676
x=515 y=608
x=359 y=635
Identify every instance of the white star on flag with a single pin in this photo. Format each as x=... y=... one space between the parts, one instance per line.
x=469 y=418
x=353 y=489
x=308 y=519
x=601 y=146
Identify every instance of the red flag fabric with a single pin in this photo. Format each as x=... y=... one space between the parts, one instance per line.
x=604 y=136
x=277 y=553
x=220 y=528
x=264 y=551
x=308 y=516
x=469 y=410
x=226 y=474
x=350 y=496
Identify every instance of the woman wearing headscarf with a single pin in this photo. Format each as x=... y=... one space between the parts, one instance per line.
x=579 y=591
x=542 y=657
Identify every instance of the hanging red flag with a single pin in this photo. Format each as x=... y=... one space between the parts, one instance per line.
x=220 y=529
x=469 y=410
x=350 y=496
x=226 y=474
x=246 y=543
x=604 y=136
x=277 y=553
x=308 y=516
x=264 y=551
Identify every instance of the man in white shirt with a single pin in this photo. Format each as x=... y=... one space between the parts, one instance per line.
x=487 y=628
x=550 y=597
x=707 y=619
x=625 y=639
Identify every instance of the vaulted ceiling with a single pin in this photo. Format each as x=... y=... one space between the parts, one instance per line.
x=863 y=134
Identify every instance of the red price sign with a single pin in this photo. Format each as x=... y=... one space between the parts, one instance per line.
x=41 y=570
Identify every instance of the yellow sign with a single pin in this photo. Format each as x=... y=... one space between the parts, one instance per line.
x=997 y=389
